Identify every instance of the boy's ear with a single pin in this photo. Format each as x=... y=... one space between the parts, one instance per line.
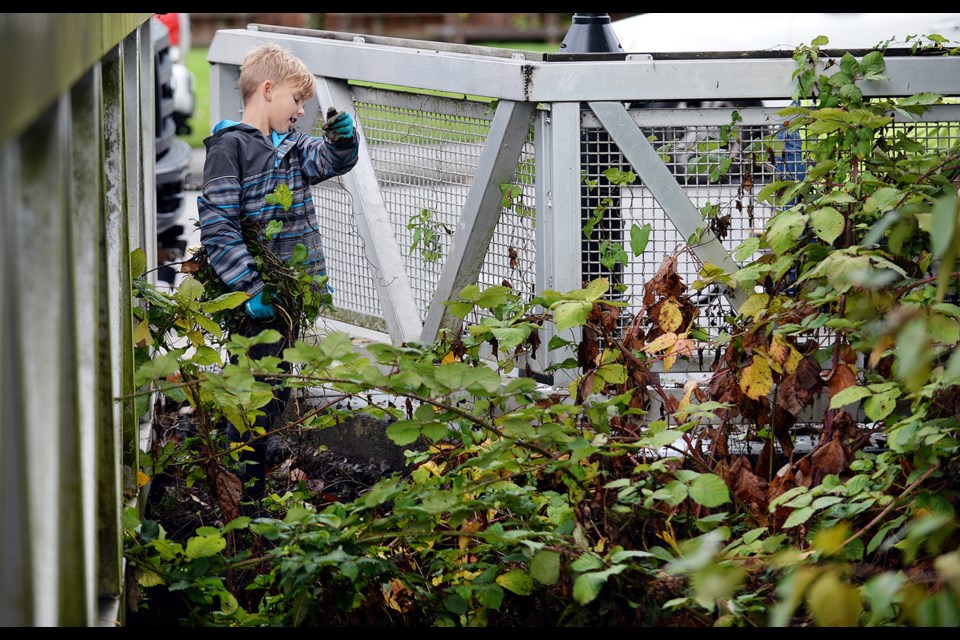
x=267 y=89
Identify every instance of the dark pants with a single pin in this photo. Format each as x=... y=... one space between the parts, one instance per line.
x=256 y=460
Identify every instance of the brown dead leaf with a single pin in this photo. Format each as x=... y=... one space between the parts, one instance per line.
x=750 y=488
x=755 y=340
x=227 y=489
x=588 y=351
x=845 y=428
x=607 y=316
x=191 y=266
x=298 y=475
x=800 y=389
x=664 y=283
x=398 y=596
x=723 y=388
x=848 y=355
x=830 y=458
x=585 y=388
x=841 y=377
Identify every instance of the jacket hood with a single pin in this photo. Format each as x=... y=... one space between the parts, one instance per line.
x=223 y=124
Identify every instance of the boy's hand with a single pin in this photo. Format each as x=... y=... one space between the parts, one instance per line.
x=338 y=125
x=259 y=307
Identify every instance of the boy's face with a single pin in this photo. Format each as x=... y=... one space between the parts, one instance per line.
x=285 y=106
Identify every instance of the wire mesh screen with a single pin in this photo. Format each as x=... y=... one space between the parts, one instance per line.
x=720 y=168
x=425 y=151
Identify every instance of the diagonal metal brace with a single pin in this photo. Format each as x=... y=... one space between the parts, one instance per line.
x=663 y=185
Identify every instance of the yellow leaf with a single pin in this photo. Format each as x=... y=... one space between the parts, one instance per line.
x=663 y=342
x=196 y=338
x=785 y=353
x=141 y=335
x=142 y=479
x=884 y=342
x=449 y=357
x=432 y=467
x=670 y=316
x=756 y=380
x=668 y=361
x=148 y=578
x=688 y=389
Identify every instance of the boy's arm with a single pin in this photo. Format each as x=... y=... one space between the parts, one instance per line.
x=218 y=207
x=332 y=155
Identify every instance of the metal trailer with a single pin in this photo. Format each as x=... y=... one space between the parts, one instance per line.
x=444 y=126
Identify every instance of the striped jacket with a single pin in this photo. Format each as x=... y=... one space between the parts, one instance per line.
x=242 y=167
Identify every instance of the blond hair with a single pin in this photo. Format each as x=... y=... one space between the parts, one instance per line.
x=274 y=63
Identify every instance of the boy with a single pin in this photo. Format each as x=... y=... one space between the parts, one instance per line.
x=245 y=162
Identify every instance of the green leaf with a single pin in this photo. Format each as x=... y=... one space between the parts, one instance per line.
x=230 y=300
x=943 y=223
x=511 y=337
x=204 y=546
x=851 y=92
x=827 y=223
x=273 y=228
x=147 y=578
x=587 y=586
x=206 y=356
x=639 y=236
x=517 y=581
x=747 y=248
x=753 y=305
x=883 y=200
x=571 y=314
x=458 y=308
x=455 y=603
x=881 y=405
x=208 y=325
x=545 y=567
x=404 y=432
x=488 y=595
x=709 y=490
x=587 y=562
x=873 y=63
x=822 y=168
x=138 y=263
x=281 y=195
x=834 y=603
x=784 y=229
x=876 y=231
x=659 y=439
x=849 y=396
x=798 y=517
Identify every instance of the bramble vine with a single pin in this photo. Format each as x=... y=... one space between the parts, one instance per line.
x=615 y=500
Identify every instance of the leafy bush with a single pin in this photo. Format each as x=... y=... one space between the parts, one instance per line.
x=618 y=502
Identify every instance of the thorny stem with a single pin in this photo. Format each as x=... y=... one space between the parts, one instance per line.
x=889 y=507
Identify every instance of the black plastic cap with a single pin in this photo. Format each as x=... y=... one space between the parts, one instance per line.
x=590 y=33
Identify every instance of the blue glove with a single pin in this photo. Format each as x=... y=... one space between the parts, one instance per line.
x=259 y=307
x=338 y=126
